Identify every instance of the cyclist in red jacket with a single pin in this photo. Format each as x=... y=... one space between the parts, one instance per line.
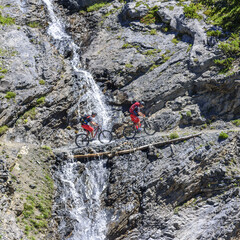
x=85 y=120
x=135 y=112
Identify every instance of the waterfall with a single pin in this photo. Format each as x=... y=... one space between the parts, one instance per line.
x=79 y=198
x=93 y=97
x=79 y=188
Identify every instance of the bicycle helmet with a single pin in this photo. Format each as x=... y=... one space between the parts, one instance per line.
x=93 y=113
x=142 y=103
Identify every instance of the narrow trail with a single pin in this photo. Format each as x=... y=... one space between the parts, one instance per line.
x=136 y=142
x=159 y=139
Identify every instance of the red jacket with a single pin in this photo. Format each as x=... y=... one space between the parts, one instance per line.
x=134 y=109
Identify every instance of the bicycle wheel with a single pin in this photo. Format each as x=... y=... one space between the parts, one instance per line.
x=105 y=136
x=82 y=140
x=149 y=128
x=129 y=132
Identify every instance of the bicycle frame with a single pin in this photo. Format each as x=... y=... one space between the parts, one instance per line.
x=95 y=131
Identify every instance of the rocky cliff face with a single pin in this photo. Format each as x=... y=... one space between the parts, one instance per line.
x=149 y=51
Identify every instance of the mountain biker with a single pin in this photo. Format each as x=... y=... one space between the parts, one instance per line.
x=85 y=120
x=135 y=112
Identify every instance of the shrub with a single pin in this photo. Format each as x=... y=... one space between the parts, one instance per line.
x=225 y=64
x=151 y=17
x=225 y=13
x=3 y=129
x=231 y=50
x=153 y=32
x=223 y=136
x=40 y=100
x=231 y=46
x=191 y=11
x=173 y=135
x=10 y=95
x=189 y=114
x=236 y=122
x=213 y=33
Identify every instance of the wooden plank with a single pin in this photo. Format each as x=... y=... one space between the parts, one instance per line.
x=115 y=153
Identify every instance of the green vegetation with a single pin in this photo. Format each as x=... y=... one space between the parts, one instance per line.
x=213 y=33
x=128 y=65
x=6 y=20
x=231 y=51
x=153 y=67
x=34 y=24
x=189 y=47
x=127 y=45
x=223 y=136
x=189 y=114
x=41 y=100
x=96 y=6
x=152 y=52
x=236 y=122
x=10 y=95
x=3 y=129
x=165 y=58
x=37 y=211
x=225 y=13
x=4 y=71
x=190 y=11
x=30 y=113
x=173 y=135
x=46 y=148
x=9 y=52
x=151 y=17
x=165 y=29
x=170 y=8
x=41 y=82
x=175 y=41
x=153 y=32
x=82 y=12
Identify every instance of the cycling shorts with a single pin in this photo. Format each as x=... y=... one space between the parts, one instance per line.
x=87 y=127
x=134 y=118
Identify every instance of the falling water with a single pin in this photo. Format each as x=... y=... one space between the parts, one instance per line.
x=80 y=193
x=93 y=96
x=80 y=188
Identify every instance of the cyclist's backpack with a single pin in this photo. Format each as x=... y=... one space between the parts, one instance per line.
x=132 y=108
x=84 y=118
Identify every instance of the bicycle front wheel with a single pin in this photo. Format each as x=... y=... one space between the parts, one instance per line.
x=105 y=136
x=149 y=128
x=129 y=132
x=82 y=140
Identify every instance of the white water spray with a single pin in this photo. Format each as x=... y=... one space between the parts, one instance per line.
x=79 y=199
x=81 y=195
x=93 y=96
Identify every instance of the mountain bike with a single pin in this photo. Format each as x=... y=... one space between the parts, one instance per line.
x=130 y=131
x=83 y=139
